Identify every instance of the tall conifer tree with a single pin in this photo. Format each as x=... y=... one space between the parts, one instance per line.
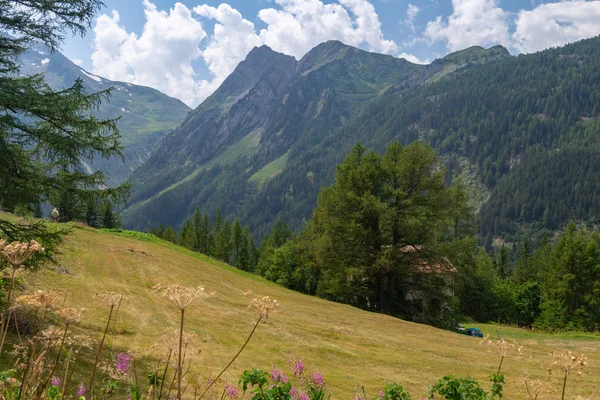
x=45 y=133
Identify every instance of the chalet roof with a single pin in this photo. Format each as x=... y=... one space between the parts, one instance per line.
x=440 y=266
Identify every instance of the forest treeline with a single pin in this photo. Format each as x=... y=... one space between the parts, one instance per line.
x=389 y=228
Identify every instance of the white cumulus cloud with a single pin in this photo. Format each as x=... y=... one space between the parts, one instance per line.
x=299 y=25
x=232 y=40
x=472 y=22
x=556 y=24
x=412 y=58
x=164 y=54
x=161 y=57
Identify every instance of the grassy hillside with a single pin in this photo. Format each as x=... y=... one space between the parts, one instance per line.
x=347 y=345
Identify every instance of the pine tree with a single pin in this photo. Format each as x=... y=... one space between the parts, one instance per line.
x=187 y=236
x=169 y=234
x=243 y=261
x=157 y=230
x=376 y=207
x=253 y=253
x=206 y=239
x=110 y=220
x=70 y=208
x=524 y=271
x=503 y=262
x=236 y=241
x=199 y=236
x=45 y=133
x=217 y=221
x=223 y=242
x=92 y=217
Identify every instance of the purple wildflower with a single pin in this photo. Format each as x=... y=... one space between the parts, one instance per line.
x=55 y=381
x=80 y=390
x=231 y=391
x=123 y=363
x=274 y=374
x=316 y=379
x=278 y=376
x=381 y=394
x=298 y=368
x=294 y=393
x=303 y=396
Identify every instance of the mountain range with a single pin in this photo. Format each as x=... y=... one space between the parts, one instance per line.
x=519 y=130
x=146 y=115
x=248 y=149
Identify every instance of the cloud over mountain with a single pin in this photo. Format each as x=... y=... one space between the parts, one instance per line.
x=165 y=55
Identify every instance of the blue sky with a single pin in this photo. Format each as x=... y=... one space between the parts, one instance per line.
x=187 y=48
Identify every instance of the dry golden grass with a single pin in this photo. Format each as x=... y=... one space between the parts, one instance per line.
x=349 y=346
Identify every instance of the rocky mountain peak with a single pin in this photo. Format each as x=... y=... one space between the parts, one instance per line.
x=245 y=76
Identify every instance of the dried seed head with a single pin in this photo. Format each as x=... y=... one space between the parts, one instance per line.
x=39 y=299
x=502 y=347
x=568 y=362
x=111 y=299
x=183 y=297
x=169 y=343
x=538 y=389
x=170 y=340
x=264 y=305
x=71 y=315
x=16 y=253
x=51 y=335
x=78 y=342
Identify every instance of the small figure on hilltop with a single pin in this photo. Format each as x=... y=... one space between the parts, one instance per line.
x=54 y=214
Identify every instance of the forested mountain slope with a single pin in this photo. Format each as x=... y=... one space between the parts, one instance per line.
x=526 y=126
x=522 y=130
x=250 y=149
x=147 y=115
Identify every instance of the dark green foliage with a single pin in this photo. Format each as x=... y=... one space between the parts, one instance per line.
x=223 y=241
x=289 y=266
x=393 y=391
x=453 y=388
x=169 y=234
x=205 y=238
x=157 y=230
x=503 y=262
x=70 y=207
x=237 y=242
x=279 y=236
x=571 y=281
x=44 y=133
x=378 y=223
x=187 y=236
x=92 y=217
x=232 y=244
x=253 y=253
x=108 y=218
x=263 y=390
